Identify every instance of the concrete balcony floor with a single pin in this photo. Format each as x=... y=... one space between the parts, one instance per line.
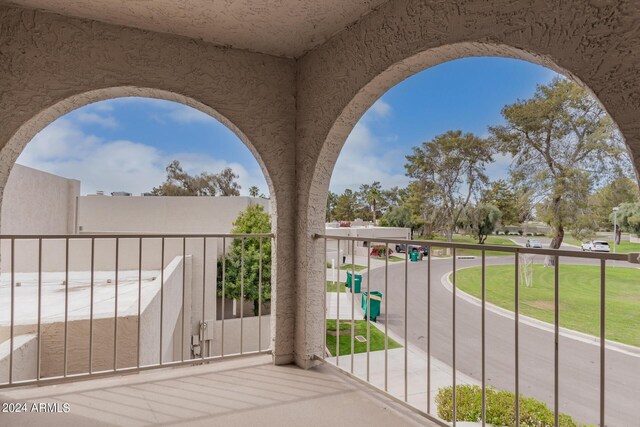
x=248 y=391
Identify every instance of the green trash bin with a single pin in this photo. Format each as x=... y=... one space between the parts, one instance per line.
x=358 y=281
x=374 y=304
x=415 y=256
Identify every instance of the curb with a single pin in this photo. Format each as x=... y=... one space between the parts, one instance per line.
x=530 y=321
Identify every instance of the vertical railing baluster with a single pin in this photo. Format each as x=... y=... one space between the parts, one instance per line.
x=224 y=265
x=602 y=339
x=429 y=248
x=453 y=340
x=353 y=301
x=115 y=313
x=204 y=325
x=406 y=328
x=91 y=297
x=39 y=308
x=66 y=303
x=338 y=306
x=184 y=283
x=556 y=339
x=324 y=325
x=517 y=338
x=242 y=296
x=12 y=297
x=161 y=296
x=139 y=298
x=368 y=308
x=260 y=295
x=386 y=319
x=483 y=327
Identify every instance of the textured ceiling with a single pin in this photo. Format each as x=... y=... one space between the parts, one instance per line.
x=277 y=27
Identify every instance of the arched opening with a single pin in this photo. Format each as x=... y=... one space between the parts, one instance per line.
x=148 y=274
x=406 y=289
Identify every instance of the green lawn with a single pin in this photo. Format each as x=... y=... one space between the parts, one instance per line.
x=375 y=335
x=357 y=267
x=491 y=240
x=579 y=297
x=392 y=258
x=331 y=287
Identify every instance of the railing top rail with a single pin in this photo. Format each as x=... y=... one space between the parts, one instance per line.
x=125 y=235
x=497 y=248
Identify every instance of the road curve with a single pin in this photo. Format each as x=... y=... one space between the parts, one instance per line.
x=579 y=361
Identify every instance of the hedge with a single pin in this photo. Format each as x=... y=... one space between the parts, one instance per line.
x=500 y=408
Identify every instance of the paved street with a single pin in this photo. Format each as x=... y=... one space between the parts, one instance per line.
x=579 y=360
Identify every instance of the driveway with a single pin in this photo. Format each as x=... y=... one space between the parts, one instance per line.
x=579 y=360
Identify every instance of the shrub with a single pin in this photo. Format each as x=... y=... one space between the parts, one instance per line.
x=379 y=250
x=500 y=408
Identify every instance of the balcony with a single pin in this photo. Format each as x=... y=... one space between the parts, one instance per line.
x=244 y=391
x=80 y=334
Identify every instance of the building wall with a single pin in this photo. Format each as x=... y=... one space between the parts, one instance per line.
x=295 y=114
x=52 y=64
x=152 y=214
x=36 y=202
x=596 y=43
x=53 y=334
x=25 y=358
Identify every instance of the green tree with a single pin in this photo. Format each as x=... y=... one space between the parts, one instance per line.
x=346 y=206
x=620 y=190
x=180 y=183
x=480 y=220
x=370 y=196
x=447 y=172
x=332 y=200
x=628 y=217
x=502 y=195
x=562 y=141
x=253 y=220
x=397 y=216
x=254 y=191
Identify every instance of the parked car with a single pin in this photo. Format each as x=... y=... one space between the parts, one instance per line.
x=400 y=248
x=596 y=246
x=533 y=243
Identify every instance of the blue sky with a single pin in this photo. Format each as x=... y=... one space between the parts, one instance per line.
x=124 y=144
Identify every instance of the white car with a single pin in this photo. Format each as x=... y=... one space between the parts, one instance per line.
x=533 y=243
x=596 y=246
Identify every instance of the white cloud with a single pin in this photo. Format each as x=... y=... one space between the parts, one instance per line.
x=64 y=149
x=380 y=108
x=363 y=160
x=94 y=118
x=499 y=169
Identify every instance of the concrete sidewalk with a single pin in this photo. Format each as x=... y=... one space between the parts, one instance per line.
x=441 y=373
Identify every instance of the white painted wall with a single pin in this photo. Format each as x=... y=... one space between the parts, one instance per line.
x=25 y=358
x=36 y=202
x=151 y=214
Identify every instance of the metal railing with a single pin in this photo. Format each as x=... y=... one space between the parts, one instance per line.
x=343 y=243
x=159 y=258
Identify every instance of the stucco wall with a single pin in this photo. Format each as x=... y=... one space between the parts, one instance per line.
x=597 y=43
x=51 y=64
x=296 y=114
x=25 y=358
x=36 y=202
x=162 y=215
x=52 y=344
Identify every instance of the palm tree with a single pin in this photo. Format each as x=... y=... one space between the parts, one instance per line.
x=371 y=194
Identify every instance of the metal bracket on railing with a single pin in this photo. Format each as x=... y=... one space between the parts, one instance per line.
x=634 y=257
